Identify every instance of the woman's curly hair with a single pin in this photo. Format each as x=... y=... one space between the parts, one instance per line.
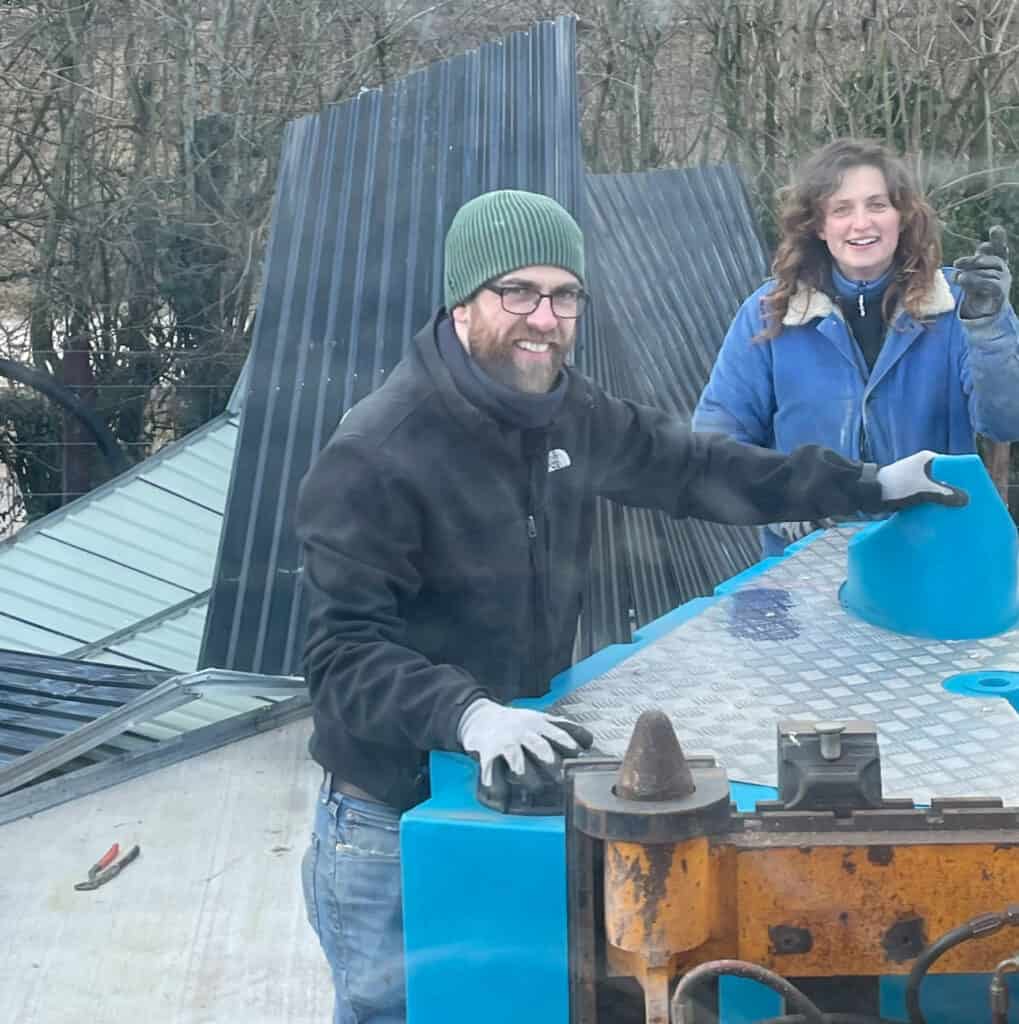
x=803 y=259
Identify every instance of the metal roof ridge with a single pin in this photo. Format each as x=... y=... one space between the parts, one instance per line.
x=137 y=628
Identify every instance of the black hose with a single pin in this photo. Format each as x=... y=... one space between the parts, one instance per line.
x=975 y=928
x=681 y=1002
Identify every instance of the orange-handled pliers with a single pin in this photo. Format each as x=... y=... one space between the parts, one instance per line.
x=104 y=869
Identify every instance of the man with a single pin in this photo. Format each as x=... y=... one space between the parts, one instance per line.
x=447 y=530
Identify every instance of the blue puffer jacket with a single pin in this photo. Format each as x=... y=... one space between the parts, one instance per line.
x=935 y=384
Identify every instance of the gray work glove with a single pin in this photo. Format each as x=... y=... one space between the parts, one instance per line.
x=502 y=737
x=909 y=482
x=984 y=277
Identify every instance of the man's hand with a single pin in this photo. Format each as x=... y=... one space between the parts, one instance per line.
x=791 y=532
x=984 y=277
x=503 y=737
x=909 y=482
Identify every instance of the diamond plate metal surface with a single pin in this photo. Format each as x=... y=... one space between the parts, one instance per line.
x=780 y=647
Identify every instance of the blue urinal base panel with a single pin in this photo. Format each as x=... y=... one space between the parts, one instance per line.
x=485 y=893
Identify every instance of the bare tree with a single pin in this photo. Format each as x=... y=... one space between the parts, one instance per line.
x=138 y=150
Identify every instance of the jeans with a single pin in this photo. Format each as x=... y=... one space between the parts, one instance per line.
x=351 y=879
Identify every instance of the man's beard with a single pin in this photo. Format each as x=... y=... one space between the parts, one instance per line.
x=495 y=355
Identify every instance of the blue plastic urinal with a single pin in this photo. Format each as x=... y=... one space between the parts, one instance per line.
x=933 y=571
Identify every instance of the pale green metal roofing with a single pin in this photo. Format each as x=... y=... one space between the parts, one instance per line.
x=171 y=640
x=141 y=546
x=122 y=575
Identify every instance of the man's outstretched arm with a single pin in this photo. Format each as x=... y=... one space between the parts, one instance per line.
x=652 y=460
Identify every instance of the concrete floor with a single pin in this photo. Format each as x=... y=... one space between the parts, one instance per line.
x=206 y=927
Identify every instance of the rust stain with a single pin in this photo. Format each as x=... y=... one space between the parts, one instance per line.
x=649 y=887
x=923 y=890
x=653 y=892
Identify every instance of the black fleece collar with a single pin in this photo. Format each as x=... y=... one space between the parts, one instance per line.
x=504 y=404
x=579 y=400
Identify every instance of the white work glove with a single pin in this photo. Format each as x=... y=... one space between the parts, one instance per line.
x=909 y=482
x=494 y=732
x=791 y=532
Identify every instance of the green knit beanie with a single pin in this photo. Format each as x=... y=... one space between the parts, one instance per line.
x=502 y=231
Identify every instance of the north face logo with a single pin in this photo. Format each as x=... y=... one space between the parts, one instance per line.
x=558 y=458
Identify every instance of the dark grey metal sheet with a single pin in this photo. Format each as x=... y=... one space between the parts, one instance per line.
x=780 y=646
x=66 y=725
x=44 y=698
x=365 y=194
x=111 y=730
x=674 y=254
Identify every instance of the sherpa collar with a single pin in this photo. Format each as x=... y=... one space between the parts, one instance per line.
x=807 y=303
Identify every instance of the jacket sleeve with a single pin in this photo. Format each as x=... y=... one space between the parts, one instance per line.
x=739 y=398
x=651 y=460
x=361 y=527
x=990 y=373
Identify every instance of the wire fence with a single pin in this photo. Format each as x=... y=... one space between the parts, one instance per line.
x=49 y=455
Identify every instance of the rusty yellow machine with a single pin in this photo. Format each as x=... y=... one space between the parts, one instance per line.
x=816 y=895
x=631 y=894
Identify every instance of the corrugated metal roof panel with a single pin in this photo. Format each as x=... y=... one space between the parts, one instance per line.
x=127 y=535
x=671 y=256
x=173 y=643
x=674 y=253
x=169 y=641
x=195 y=472
x=93 y=724
x=198 y=714
x=121 y=576
x=365 y=194
x=127 y=551
x=43 y=699
x=77 y=593
x=120 y=580
x=18 y=635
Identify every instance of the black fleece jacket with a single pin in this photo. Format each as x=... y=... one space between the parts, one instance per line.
x=445 y=556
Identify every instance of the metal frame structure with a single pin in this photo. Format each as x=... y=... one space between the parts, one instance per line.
x=22 y=793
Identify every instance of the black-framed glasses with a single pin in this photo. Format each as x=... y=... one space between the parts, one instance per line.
x=522 y=300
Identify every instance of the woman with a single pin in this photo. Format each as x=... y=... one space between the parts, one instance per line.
x=861 y=341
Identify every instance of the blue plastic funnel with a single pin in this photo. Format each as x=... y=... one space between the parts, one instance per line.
x=933 y=571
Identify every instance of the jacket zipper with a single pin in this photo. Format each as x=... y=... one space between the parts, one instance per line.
x=864 y=433
x=536 y=469
x=863 y=439
x=532 y=684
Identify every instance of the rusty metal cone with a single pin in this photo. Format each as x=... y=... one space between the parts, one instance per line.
x=654 y=767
